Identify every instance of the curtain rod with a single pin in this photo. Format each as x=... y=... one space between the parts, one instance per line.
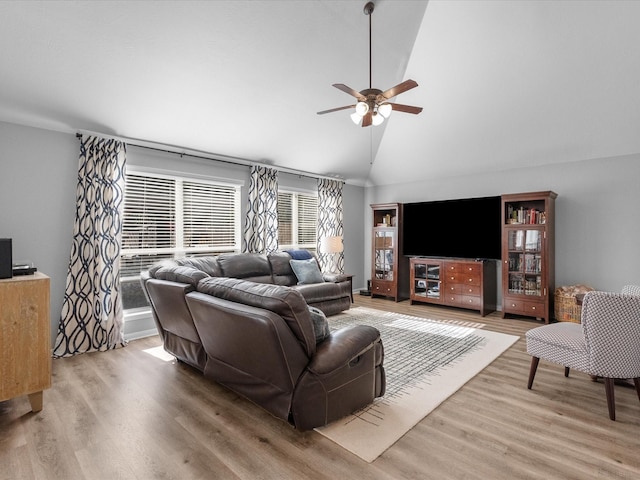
x=203 y=155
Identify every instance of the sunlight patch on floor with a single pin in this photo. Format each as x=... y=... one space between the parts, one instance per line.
x=161 y=353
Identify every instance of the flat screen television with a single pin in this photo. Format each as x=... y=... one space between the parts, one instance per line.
x=463 y=228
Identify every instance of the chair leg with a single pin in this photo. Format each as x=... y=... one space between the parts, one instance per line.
x=636 y=382
x=608 y=387
x=532 y=371
x=566 y=371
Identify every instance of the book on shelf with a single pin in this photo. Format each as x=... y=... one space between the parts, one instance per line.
x=525 y=216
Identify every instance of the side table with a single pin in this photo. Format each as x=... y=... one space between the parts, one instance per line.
x=350 y=280
x=25 y=345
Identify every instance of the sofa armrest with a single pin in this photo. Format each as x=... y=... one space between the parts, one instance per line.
x=345 y=374
x=344 y=347
x=335 y=277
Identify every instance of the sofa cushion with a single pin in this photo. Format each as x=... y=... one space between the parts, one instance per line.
x=306 y=271
x=283 y=301
x=168 y=262
x=320 y=324
x=180 y=274
x=281 y=269
x=208 y=264
x=249 y=266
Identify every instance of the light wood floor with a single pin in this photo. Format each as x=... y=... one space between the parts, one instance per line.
x=125 y=414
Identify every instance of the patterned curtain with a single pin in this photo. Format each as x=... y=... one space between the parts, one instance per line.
x=330 y=222
x=92 y=318
x=261 y=227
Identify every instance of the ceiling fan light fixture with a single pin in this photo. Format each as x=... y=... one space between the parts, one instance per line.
x=372 y=105
x=362 y=108
x=385 y=110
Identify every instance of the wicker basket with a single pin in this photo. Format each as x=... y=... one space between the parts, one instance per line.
x=566 y=307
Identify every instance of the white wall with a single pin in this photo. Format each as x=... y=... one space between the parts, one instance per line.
x=38 y=173
x=597 y=223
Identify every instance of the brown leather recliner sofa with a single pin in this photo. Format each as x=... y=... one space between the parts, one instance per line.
x=257 y=338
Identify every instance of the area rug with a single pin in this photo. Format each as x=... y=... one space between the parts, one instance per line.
x=425 y=361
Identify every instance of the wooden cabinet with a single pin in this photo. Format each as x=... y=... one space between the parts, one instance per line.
x=389 y=267
x=528 y=254
x=454 y=282
x=25 y=345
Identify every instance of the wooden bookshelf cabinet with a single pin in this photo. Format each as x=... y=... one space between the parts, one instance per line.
x=389 y=267
x=528 y=254
x=25 y=345
x=459 y=283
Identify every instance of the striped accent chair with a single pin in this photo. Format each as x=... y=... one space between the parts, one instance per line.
x=605 y=344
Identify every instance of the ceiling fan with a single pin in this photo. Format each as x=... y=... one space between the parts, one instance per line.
x=373 y=104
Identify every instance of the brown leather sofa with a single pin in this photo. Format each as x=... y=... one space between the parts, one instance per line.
x=257 y=338
x=332 y=296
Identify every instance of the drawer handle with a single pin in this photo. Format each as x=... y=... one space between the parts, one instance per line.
x=533 y=308
x=513 y=304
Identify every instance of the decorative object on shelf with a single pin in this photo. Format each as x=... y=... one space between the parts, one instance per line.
x=373 y=104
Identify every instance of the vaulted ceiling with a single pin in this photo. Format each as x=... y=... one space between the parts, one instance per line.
x=503 y=84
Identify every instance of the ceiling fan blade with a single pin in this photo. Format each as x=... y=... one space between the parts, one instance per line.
x=405 y=108
x=367 y=119
x=349 y=90
x=336 y=109
x=400 y=88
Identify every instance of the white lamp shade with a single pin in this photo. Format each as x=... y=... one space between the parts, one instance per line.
x=377 y=119
x=385 y=110
x=362 y=108
x=356 y=118
x=331 y=245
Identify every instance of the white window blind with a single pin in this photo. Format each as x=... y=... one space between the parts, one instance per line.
x=208 y=220
x=169 y=217
x=297 y=219
x=307 y=219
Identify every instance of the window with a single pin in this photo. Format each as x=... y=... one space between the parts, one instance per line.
x=297 y=219
x=171 y=217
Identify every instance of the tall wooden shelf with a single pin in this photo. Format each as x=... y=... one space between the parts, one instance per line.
x=528 y=254
x=389 y=267
x=25 y=345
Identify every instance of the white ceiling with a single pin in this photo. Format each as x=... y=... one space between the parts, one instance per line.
x=503 y=84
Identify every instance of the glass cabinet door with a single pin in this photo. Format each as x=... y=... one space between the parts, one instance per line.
x=525 y=262
x=426 y=280
x=384 y=254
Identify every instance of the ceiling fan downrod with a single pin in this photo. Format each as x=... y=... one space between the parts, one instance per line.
x=368 y=10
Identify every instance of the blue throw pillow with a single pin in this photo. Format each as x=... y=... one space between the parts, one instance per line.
x=300 y=254
x=306 y=271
